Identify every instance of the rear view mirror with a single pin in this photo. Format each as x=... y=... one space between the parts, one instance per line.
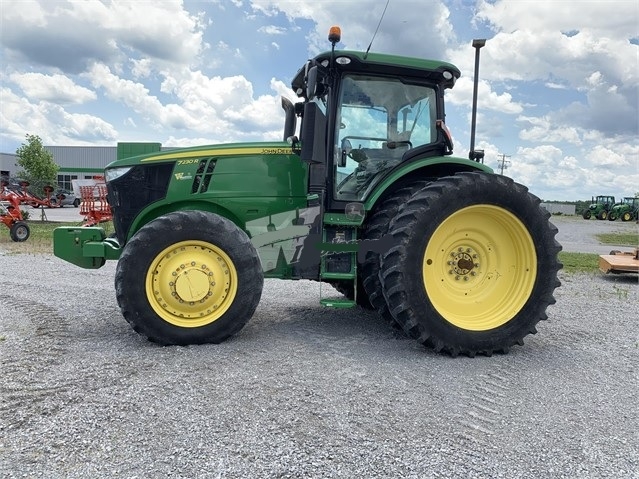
x=346 y=148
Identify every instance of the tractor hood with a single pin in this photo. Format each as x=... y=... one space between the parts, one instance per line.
x=173 y=154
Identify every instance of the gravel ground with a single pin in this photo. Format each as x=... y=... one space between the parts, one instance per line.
x=309 y=392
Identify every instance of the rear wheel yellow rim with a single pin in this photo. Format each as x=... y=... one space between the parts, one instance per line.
x=191 y=284
x=479 y=267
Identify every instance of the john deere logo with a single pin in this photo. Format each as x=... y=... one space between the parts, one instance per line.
x=182 y=176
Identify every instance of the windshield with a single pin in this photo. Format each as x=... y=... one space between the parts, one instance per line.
x=379 y=119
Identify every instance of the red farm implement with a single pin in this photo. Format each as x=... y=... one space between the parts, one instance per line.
x=11 y=215
x=28 y=198
x=94 y=206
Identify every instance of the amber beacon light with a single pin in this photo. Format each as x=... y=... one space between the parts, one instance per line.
x=334 y=34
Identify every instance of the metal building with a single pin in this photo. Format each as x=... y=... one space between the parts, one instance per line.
x=7 y=165
x=81 y=162
x=559 y=208
x=75 y=162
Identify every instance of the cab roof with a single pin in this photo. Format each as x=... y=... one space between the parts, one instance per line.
x=394 y=65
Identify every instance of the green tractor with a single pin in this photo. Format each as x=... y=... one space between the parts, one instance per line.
x=627 y=210
x=368 y=198
x=599 y=207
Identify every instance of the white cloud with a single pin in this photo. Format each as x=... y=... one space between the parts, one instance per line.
x=137 y=97
x=141 y=68
x=545 y=129
x=18 y=116
x=462 y=94
x=272 y=30
x=402 y=29
x=602 y=157
x=54 y=88
x=555 y=86
x=613 y=17
x=224 y=108
x=68 y=35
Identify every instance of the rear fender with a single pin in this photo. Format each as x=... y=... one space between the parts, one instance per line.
x=433 y=167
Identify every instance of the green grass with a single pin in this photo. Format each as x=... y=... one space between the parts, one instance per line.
x=41 y=238
x=579 y=262
x=630 y=239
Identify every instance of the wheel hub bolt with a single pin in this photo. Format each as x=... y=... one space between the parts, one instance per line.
x=464 y=261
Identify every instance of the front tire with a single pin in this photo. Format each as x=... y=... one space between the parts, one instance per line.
x=603 y=215
x=627 y=216
x=474 y=264
x=189 y=277
x=587 y=214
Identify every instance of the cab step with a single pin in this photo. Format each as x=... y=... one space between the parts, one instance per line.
x=338 y=303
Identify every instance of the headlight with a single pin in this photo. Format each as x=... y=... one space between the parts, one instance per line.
x=114 y=173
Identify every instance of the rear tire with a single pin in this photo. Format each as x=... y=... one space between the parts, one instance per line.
x=474 y=264
x=189 y=277
x=19 y=231
x=603 y=215
x=376 y=228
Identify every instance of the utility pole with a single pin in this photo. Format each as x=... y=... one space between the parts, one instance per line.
x=503 y=163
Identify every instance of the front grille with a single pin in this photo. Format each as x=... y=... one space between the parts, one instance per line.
x=131 y=193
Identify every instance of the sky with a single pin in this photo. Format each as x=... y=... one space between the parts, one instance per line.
x=558 y=102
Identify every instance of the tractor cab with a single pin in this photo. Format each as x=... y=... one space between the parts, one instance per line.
x=379 y=120
x=365 y=114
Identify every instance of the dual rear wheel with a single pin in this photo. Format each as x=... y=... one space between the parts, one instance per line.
x=473 y=264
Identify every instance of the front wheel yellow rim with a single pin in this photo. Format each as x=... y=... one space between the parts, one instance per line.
x=479 y=267
x=191 y=284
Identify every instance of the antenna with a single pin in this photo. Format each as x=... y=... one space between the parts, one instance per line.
x=479 y=154
x=375 y=34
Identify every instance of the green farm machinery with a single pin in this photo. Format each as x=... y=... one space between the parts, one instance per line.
x=366 y=197
x=627 y=210
x=599 y=208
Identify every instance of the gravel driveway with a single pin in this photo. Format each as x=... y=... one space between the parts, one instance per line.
x=309 y=392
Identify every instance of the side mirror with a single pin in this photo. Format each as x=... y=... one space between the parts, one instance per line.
x=346 y=149
x=290 y=122
x=311 y=83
